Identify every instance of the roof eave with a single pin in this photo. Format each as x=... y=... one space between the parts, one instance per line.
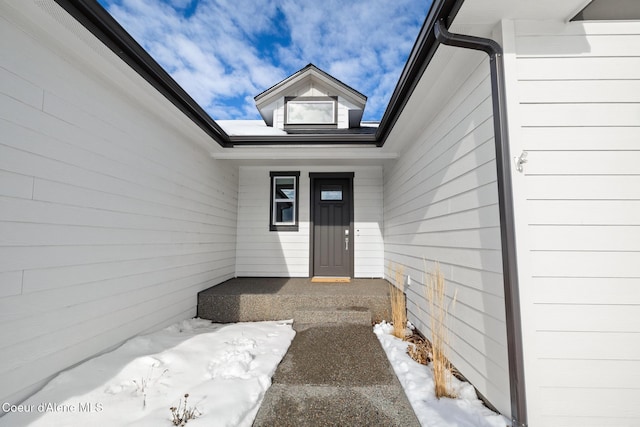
x=270 y=140
x=300 y=73
x=419 y=59
x=102 y=25
x=99 y=22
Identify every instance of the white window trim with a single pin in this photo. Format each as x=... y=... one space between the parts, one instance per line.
x=295 y=102
x=276 y=200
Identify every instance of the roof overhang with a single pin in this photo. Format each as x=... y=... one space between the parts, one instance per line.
x=477 y=17
x=311 y=71
x=609 y=10
x=102 y=25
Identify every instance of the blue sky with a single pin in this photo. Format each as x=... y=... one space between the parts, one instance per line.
x=224 y=52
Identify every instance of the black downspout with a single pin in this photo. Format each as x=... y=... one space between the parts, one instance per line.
x=507 y=223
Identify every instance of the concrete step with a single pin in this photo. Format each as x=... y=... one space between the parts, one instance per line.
x=340 y=315
x=256 y=299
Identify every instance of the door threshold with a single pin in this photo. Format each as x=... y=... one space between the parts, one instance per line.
x=327 y=279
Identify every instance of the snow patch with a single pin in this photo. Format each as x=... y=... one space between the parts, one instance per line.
x=417 y=380
x=225 y=369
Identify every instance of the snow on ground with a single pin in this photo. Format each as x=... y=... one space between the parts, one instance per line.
x=417 y=380
x=225 y=369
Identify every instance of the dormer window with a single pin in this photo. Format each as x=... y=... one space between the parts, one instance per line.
x=311 y=101
x=311 y=111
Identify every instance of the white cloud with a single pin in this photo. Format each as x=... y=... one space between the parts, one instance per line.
x=359 y=43
x=213 y=48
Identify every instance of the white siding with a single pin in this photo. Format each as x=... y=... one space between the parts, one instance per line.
x=305 y=88
x=441 y=204
x=261 y=252
x=575 y=108
x=112 y=216
x=278 y=114
x=344 y=107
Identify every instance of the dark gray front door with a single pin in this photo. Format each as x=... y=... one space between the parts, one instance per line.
x=332 y=239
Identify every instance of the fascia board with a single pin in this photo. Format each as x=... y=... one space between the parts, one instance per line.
x=304 y=153
x=288 y=85
x=237 y=140
x=419 y=59
x=103 y=26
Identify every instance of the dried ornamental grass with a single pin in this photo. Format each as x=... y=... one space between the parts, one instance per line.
x=398 y=302
x=439 y=317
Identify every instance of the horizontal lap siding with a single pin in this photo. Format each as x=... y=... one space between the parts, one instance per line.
x=261 y=252
x=112 y=217
x=368 y=222
x=440 y=204
x=579 y=113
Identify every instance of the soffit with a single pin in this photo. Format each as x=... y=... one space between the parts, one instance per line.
x=102 y=25
x=479 y=17
x=304 y=155
x=476 y=17
x=78 y=46
x=609 y=10
x=450 y=67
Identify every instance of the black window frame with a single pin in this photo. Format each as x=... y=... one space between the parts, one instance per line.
x=284 y=227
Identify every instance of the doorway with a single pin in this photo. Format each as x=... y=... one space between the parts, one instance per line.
x=331 y=224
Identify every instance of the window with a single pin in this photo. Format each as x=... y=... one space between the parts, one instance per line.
x=330 y=192
x=315 y=111
x=284 y=201
x=310 y=112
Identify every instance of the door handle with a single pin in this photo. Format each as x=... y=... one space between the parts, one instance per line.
x=346 y=243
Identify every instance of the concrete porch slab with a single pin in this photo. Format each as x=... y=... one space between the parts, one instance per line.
x=275 y=298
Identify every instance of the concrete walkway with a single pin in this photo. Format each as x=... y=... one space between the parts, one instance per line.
x=335 y=375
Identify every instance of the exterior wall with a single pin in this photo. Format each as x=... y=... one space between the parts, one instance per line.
x=441 y=204
x=574 y=97
x=261 y=252
x=343 y=112
x=112 y=217
x=278 y=114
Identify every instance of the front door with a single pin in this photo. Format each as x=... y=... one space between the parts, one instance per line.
x=332 y=229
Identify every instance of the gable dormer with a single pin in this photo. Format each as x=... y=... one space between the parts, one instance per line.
x=311 y=99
